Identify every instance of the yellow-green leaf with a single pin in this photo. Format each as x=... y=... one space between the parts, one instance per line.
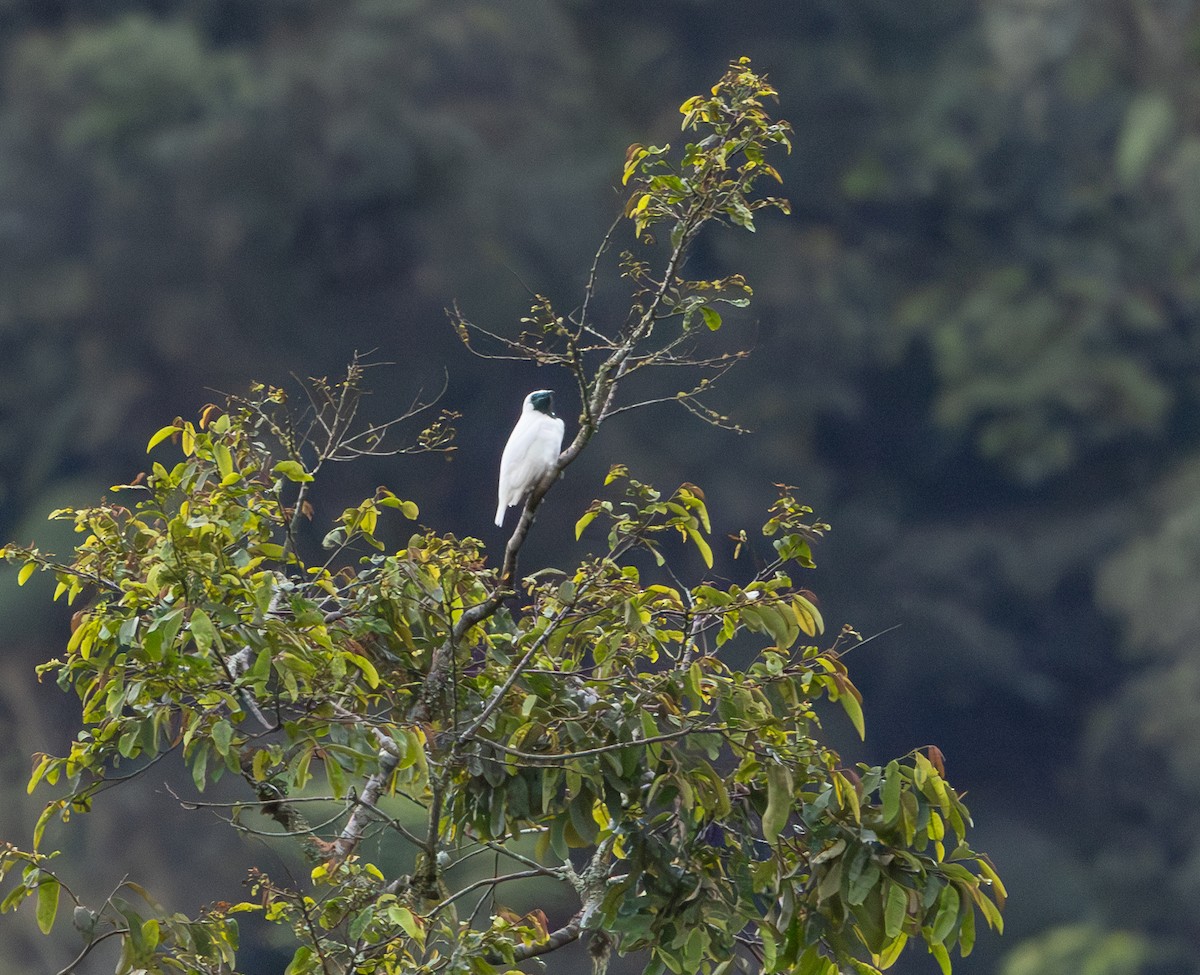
x=991 y=913
x=989 y=872
x=160 y=436
x=807 y=615
x=582 y=523
x=404 y=917
x=942 y=955
x=702 y=545
x=300 y=961
x=292 y=470
x=887 y=958
x=39 y=828
x=367 y=668
x=855 y=713
x=224 y=459
x=27 y=570
x=601 y=815
x=847 y=795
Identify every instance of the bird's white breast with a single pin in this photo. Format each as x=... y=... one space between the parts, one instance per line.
x=530 y=453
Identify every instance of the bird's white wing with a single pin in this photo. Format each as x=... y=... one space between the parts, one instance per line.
x=531 y=451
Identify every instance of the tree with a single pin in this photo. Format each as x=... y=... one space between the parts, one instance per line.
x=650 y=744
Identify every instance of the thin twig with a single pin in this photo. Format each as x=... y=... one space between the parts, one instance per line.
x=542 y=758
x=493 y=881
x=87 y=949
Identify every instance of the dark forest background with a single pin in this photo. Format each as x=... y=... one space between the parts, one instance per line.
x=976 y=353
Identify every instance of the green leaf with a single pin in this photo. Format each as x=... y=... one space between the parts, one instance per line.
x=769 y=948
x=966 y=934
x=1149 y=123
x=200 y=767
x=712 y=317
x=161 y=633
x=204 y=632
x=780 y=625
x=894 y=909
x=581 y=818
x=831 y=882
x=13 y=898
x=128 y=631
x=891 y=792
x=47 y=903
x=947 y=914
x=864 y=874
x=779 y=802
x=222 y=735
x=336 y=775
x=361 y=920
x=831 y=852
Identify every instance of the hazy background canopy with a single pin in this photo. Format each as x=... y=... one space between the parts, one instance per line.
x=976 y=355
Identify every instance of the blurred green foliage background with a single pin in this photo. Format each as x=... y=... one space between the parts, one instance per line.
x=976 y=353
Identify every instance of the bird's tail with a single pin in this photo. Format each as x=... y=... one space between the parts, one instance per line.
x=500 y=514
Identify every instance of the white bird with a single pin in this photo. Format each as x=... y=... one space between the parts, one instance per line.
x=531 y=452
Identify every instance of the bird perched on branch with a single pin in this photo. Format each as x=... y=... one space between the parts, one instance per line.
x=531 y=452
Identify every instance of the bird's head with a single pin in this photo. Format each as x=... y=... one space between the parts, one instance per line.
x=541 y=400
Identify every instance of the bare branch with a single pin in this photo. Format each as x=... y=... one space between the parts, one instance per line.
x=494 y=881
